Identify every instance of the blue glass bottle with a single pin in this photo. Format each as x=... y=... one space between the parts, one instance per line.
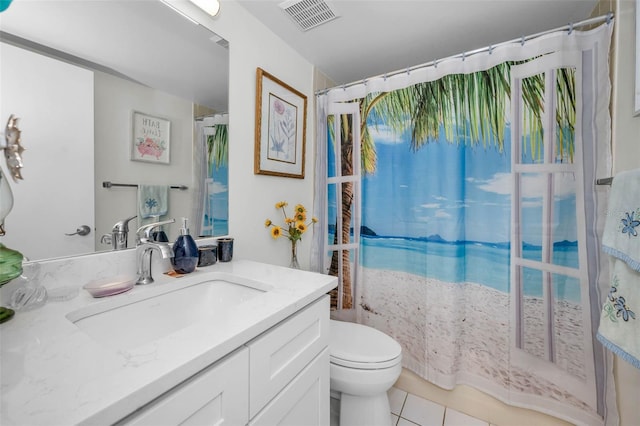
x=185 y=251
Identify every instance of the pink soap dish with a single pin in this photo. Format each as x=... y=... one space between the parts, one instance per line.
x=109 y=286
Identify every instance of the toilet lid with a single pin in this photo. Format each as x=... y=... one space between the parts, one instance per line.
x=358 y=346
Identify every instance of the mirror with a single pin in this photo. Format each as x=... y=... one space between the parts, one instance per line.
x=141 y=57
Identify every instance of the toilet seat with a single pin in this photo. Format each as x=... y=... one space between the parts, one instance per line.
x=361 y=347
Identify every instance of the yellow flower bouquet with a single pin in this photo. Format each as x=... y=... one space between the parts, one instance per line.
x=294 y=227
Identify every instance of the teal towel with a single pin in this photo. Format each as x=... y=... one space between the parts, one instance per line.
x=619 y=329
x=153 y=201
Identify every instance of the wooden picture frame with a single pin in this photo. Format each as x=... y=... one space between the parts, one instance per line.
x=151 y=138
x=281 y=127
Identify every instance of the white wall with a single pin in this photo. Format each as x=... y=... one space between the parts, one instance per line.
x=252 y=197
x=115 y=101
x=626 y=156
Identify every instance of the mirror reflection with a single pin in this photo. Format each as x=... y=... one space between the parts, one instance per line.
x=117 y=100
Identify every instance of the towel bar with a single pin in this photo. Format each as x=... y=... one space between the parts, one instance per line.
x=107 y=184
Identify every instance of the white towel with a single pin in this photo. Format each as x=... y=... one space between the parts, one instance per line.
x=152 y=201
x=621 y=237
x=619 y=329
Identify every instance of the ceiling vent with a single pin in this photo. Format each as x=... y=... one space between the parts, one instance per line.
x=308 y=13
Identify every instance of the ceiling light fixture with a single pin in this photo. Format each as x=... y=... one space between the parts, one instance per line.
x=212 y=7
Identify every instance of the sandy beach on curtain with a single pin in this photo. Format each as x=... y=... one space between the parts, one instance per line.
x=429 y=318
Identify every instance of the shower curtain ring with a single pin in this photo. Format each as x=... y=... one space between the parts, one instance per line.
x=609 y=16
x=570 y=28
x=522 y=41
x=464 y=56
x=490 y=49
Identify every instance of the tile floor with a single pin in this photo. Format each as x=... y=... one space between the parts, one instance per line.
x=411 y=410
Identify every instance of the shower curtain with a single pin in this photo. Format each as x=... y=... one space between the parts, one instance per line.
x=211 y=176
x=465 y=222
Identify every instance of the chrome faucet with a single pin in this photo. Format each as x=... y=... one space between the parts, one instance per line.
x=119 y=234
x=145 y=247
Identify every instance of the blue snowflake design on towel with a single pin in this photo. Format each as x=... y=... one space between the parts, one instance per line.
x=616 y=306
x=629 y=224
x=151 y=203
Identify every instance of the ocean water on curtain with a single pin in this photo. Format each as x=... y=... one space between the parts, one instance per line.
x=458 y=262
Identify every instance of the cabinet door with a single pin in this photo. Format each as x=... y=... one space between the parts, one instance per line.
x=304 y=401
x=281 y=353
x=216 y=396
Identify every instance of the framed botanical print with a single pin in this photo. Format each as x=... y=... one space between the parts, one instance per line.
x=281 y=114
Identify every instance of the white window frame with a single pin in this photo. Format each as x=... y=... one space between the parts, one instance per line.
x=547 y=367
x=337 y=109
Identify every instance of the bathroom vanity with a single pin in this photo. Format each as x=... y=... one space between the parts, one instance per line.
x=236 y=343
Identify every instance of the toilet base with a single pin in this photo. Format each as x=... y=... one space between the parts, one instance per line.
x=372 y=410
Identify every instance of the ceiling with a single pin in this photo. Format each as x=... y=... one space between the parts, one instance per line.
x=374 y=37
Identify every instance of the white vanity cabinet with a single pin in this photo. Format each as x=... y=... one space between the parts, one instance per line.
x=218 y=395
x=281 y=377
x=289 y=370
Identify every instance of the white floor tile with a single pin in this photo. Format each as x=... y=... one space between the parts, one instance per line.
x=394 y=420
x=456 y=418
x=423 y=412
x=405 y=422
x=396 y=399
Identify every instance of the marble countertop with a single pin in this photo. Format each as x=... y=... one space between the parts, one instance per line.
x=54 y=373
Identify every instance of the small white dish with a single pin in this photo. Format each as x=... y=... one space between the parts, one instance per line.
x=109 y=286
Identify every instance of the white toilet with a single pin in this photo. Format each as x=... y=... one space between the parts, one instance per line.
x=365 y=363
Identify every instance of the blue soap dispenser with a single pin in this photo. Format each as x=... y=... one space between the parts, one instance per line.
x=185 y=251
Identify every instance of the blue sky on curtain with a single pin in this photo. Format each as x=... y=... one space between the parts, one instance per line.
x=475 y=248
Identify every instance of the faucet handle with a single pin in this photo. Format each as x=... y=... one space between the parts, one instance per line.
x=123 y=225
x=146 y=229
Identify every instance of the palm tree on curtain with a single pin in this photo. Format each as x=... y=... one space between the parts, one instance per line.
x=469 y=108
x=217 y=148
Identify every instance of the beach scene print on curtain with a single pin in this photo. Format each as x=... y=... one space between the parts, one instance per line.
x=435 y=246
x=216 y=205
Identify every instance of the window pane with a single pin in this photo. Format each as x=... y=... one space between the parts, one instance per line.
x=346 y=149
x=533 y=312
x=347 y=212
x=568 y=325
x=347 y=275
x=564 y=226
x=331 y=148
x=566 y=114
x=532 y=187
x=532 y=144
x=332 y=219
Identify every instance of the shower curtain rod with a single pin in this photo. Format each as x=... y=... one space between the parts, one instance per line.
x=569 y=27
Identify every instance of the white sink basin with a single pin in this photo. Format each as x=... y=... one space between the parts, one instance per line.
x=126 y=324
